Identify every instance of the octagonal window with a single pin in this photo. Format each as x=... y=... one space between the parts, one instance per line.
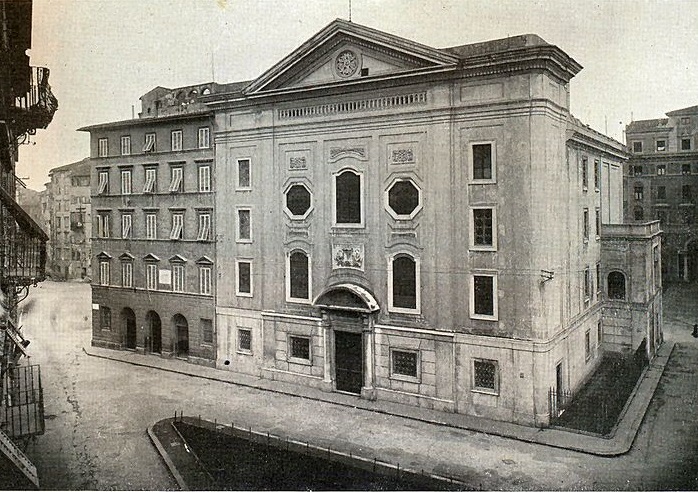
x=404 y=198
x=298 y=200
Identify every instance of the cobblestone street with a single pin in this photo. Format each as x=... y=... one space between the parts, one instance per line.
x=98 y=410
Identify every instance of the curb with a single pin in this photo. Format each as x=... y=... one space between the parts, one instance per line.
x=166 y=458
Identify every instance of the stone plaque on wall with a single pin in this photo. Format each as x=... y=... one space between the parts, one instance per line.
x=348 y=256
x=297 y=160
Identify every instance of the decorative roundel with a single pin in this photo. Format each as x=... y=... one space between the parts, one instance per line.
x=347 y=63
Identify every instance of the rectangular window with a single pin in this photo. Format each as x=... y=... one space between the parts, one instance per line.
x=686 y=192
x=149 y=145
x=151 y=176
x=126 y=182
x=637 y=170
x=685 y=169
x=587 y=286
x=585 y=225
x=597 y=175
x=404 y=363
x=244 y=340
x=598 y=279
x=485 y=375
x=125 y=226
x=661 y=169
x=126 y=145
x=482 y=155
x=638 y=193
x=206 y=330
x=103 y=147
x=103 y=229
x=176 y=139
x=244 y=174
x=176 y=174
x=103 y=183
x=662 y=216
x=483 y=300
x=483 y=234
x=127 y=274
x=587 y=345
x=585 y=173
x=104 y=272
x=151 y=226
x=244 y=278
x=104 y=318
x=204 y=179
x=599 y=333
x=205 y=280
x=637 y=147
x=151 y=276
x=685 y=144
x=177 y=277
x=298 y=276
x=244 y=225
x=661 y=145
x=204 y=138
x=299 y=348
x=204 y=227
x=661 y=192
x=597 y=221
x=177 y=231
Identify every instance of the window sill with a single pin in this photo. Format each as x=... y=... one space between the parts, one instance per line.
x=243 y=294
x=484 y=317
x=399 y=310
x=485 y=391
x=243 y=352
x=295 y=360
x=305 y=302
x=482 y=181
x=584 y=189
x=405 y=378
x=490 y=249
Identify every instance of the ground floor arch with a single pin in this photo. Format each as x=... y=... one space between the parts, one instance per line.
x=153 y=341
x=181 y=333
x=128 y=323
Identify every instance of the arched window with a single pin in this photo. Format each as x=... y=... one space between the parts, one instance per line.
x=404 y=282
x=348 y=198
x=616 y=285
x=298 y=276
x=181 y=328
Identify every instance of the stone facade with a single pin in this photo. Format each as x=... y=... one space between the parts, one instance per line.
x=661 y=183
x=413 y=224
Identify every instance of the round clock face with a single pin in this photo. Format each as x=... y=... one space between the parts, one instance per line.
x=347 y=63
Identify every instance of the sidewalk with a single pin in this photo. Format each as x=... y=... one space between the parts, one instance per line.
x=618 y=444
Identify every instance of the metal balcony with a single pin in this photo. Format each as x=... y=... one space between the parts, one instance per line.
x=35 y=108
x=22 y=245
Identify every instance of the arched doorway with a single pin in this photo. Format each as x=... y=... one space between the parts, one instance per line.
x=346 y=311
x=128 y=321
x=181 y=328
x=154 y=342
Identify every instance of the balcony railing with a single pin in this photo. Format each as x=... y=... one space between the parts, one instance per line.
x=22 y=245
x=35 y=109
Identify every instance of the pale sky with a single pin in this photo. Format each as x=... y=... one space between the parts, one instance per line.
x=640 y=57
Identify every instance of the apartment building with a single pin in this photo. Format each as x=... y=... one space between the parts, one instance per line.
x=153 y=226
x=424 y=226
x=661 y=183
x=68 y=221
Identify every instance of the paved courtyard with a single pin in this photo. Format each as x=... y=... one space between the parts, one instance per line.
x=98 y=411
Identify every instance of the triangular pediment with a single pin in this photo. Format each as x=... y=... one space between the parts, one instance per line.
x=345 y=52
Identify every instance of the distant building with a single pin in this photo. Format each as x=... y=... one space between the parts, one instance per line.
x=30 y=201
x=661 y=183
x=425 y=226
x=153 y=228
x=67 y=210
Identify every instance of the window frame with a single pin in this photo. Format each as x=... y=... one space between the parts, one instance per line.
x=477 y=388
x=414 y=377
x=103 y=225
x=105 y=315
x=103 y=147
x=585 y=225
x=238 y=292
x=203 y=137
x=204 y=174
x=635 y=145
x=238 y=183
x=205 y=226
x=288 y=211
x=362 y=201
x=493 y=162
x=597 y=175
x=239 y=238
x=417 y=284
x=104 y=272
x=127 y=273
x=238 y=345
x=151 y=275
x=289 y=297
x=126 y=225
x=658 y=147
x=597 y=222
x=176 y=179
x=204 y=331
x=126 y=181
x=683 y=141
x=150 y=179
x=150 y=142
x=661 y=169
x=177 y=231
x=495 y=295
x=393 y=213
x=685 y=169
x=587 y=287
x=299 y=360
x=205 y=280
x=585 y=173
x=126 y=145
x=178 y=269
x=493 y=225
x=103 y=182
x=587 y=345
x=176 y=140
x=151 y=225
